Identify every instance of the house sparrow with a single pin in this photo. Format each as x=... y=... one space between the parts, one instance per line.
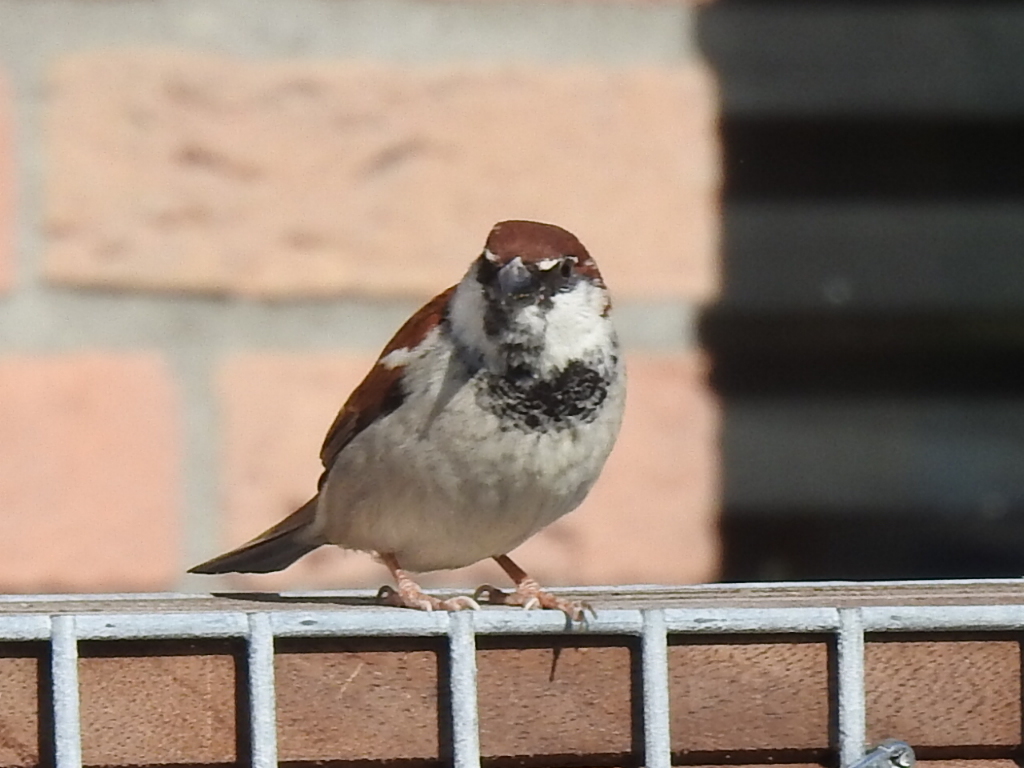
x=488 y=416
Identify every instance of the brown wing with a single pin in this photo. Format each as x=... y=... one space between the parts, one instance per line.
x=380 y=392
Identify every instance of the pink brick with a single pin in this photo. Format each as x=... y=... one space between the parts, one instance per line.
x=89 y=446
x=275 y=411
x=7 y=185
x=651 y=518
x=187 y=171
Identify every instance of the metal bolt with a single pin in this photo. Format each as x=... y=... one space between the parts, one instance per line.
x=891 y=753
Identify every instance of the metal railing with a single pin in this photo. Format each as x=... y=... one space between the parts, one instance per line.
x=654 y=627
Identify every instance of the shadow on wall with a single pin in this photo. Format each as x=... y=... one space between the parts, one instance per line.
x=869 y=339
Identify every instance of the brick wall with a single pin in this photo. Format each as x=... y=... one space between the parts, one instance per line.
x=212 y=217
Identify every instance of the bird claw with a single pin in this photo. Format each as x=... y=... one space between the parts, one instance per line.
x=460 y=603
x=411 y=596
x=493 y=595
x=408 y=599
x=530 y=597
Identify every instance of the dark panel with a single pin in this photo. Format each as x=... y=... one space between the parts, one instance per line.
x=944 y=455
x=864 y=354
x=873 y=257
x=825 y=488
x=792 y=544
x=869 y=342
x=806 y=58
x=782 y=157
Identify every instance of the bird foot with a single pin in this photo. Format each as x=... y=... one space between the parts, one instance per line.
x=530 y=596
x=409 y=595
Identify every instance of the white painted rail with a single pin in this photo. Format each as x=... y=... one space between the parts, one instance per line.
x=653 y=626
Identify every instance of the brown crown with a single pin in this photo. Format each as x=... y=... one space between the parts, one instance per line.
x=533 y=242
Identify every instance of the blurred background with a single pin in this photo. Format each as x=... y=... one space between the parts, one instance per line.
x=214 y=213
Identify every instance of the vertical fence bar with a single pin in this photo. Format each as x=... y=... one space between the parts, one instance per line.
x=465 y=718
x=654 y=662
x=852 y=716
x=262 y=700
x=67 y=728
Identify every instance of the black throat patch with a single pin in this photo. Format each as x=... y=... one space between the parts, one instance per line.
x=526 y=402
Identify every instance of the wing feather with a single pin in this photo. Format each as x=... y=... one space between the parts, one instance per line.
x=381 y=391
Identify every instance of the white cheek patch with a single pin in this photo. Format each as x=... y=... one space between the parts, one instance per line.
x=465 y=315
x=576 y=324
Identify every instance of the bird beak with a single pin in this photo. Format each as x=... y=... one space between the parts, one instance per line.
x=515 y=280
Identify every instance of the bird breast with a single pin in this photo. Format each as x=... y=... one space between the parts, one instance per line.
x=470 y=466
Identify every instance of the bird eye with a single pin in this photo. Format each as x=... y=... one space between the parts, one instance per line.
x=565 y=268
x=486 y=269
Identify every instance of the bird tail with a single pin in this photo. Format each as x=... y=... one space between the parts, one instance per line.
x=274 y=549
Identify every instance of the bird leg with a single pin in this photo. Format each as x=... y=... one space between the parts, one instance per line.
x=528 y=593
x=409 y=594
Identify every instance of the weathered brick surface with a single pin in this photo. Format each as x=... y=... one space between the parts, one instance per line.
x=651 y=518
x=188 y=171
x=89 y=447
x=7 y=182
